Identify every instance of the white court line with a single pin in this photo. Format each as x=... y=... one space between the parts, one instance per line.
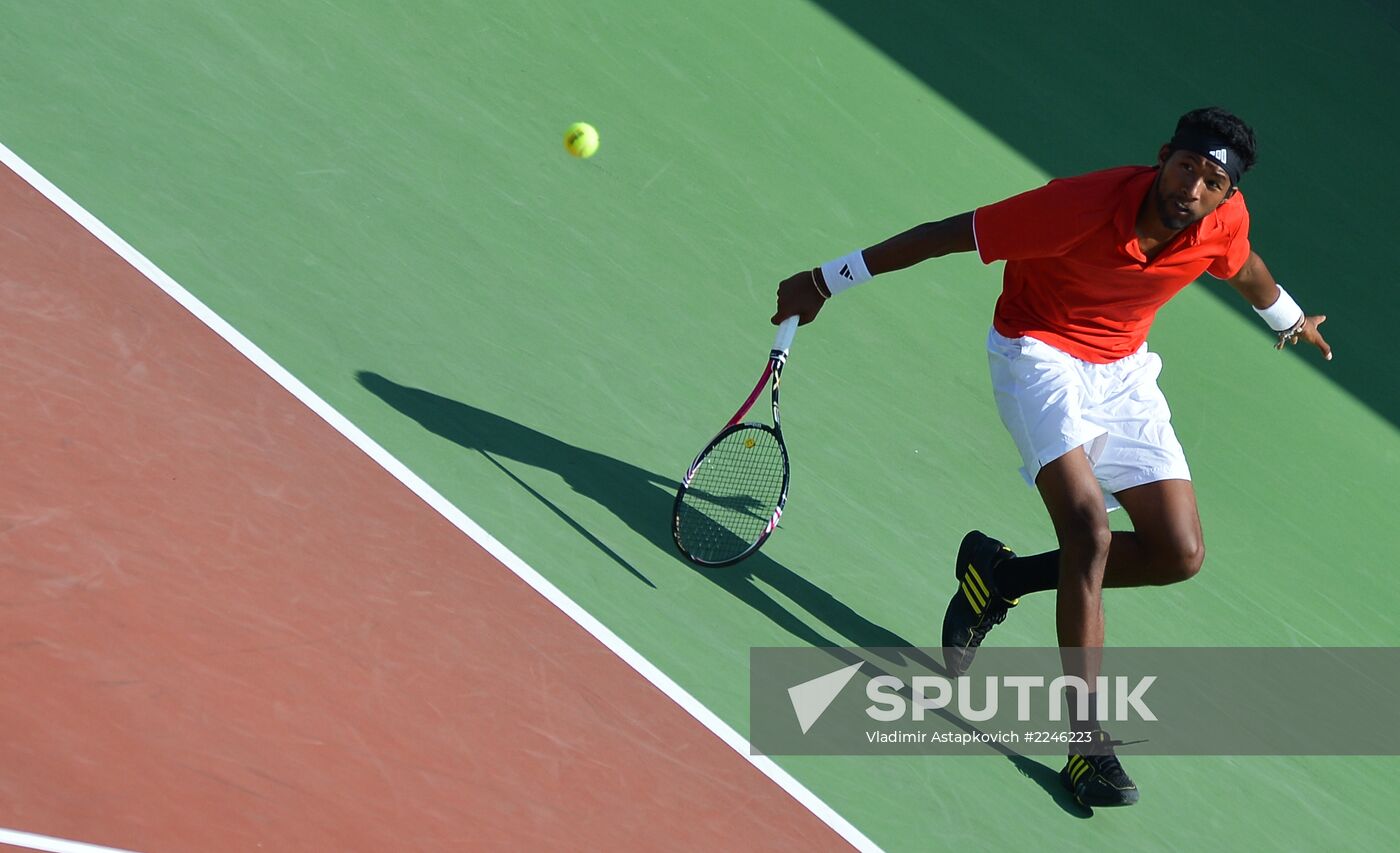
x=418 y=486
x=55 y=845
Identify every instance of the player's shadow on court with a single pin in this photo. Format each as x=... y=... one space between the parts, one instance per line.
x=642 y=500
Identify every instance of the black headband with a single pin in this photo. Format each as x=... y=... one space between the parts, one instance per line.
x=1211 y=147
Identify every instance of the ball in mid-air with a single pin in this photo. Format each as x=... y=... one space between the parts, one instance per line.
x=581 y=139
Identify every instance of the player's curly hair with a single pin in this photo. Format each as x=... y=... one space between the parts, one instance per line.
x=1226 y=125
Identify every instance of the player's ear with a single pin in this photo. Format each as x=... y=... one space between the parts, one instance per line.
x=1163 y=153
x=1230 y=192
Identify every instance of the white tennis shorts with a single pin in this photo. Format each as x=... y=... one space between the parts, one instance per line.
x=1052 y=402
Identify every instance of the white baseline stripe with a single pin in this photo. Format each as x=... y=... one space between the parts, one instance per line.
x=54 y=845
x=416 y=484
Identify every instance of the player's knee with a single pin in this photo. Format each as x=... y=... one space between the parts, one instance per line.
x=1087 y=538
x=1182 y=560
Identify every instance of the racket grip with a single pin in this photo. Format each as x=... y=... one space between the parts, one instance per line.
x=786 y=330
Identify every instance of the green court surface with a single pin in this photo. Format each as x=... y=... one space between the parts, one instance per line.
x=377 y=195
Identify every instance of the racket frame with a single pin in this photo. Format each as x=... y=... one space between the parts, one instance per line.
x=777 y=358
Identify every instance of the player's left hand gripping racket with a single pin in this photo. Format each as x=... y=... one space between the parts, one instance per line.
x=733 y=494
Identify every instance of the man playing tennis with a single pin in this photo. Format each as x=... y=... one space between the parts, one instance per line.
x=1089 y=261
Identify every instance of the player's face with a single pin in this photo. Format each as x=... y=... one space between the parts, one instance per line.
x=1188 y=188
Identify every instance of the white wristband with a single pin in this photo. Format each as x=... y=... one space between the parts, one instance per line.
x=845 y=272
x=1284 y=314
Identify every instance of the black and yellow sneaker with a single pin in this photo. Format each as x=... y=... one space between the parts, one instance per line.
x=976 y=606
x=1098 y=779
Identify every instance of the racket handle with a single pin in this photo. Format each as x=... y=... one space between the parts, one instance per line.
x=786 y=330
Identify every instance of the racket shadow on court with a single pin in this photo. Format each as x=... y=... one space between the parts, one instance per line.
x=643 y=501
x=639 y=498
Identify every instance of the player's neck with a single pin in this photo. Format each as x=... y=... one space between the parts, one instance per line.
x=1153 y=234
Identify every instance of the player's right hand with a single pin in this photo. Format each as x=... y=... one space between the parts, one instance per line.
x=798 y=294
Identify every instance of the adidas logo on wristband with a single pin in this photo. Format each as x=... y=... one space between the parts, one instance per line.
x=845 y=272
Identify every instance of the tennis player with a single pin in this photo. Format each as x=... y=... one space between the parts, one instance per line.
x=1089 y=261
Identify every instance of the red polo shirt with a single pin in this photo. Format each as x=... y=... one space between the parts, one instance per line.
x=1075 y=276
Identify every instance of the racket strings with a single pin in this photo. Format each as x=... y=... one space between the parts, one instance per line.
x=730 y=501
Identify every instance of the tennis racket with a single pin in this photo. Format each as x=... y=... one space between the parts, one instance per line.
x=732 y=496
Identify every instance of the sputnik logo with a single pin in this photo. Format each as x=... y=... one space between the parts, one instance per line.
x=810 y=699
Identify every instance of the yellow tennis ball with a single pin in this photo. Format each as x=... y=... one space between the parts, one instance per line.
x=581 y=139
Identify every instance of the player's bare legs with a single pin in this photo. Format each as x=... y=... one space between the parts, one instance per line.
x=1164 y=547
x=989 y=574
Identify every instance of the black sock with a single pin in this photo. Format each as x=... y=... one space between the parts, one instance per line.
x=1083 y=723
x=1019 y=575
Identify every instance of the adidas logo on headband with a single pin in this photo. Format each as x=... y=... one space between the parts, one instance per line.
x=1207 y=144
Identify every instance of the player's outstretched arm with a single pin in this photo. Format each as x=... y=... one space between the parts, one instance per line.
x=930 y=240
x=1257 y=285
x=804 y=294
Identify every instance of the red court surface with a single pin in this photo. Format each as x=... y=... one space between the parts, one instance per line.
x=226 y=628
